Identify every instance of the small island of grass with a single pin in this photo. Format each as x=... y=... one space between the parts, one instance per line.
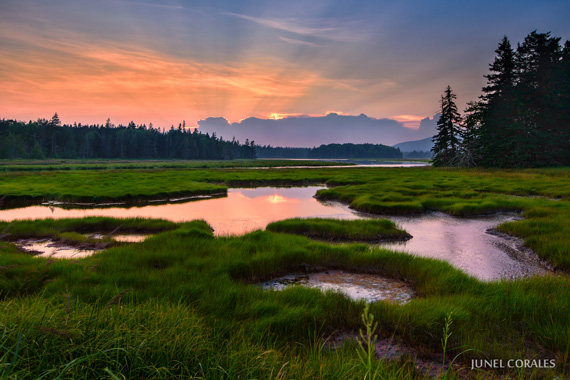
x=375 y=230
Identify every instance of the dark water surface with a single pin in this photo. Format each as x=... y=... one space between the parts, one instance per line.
x=463 y=242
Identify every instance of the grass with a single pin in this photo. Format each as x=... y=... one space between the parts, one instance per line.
x=184 y=304
x=541 y=194
x=74 y=229
x=374 y=230
x=115 y=164
x=186 y=274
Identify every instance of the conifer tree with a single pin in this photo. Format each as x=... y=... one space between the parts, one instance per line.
x=446 y=142
x=469 y=155
x=497 y=108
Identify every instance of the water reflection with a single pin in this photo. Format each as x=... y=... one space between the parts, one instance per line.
x=242 y=211
x=55 y=250
x=467 y=245
x=358 y=164
x=463 y=242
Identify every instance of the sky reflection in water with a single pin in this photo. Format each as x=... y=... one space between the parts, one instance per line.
x=462 y=242
x=242 y=211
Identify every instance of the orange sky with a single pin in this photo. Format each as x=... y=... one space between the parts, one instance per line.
x=168 y=61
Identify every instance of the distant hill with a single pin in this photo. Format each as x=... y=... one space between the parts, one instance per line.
x=311 y=131
x=424 y=145
x=330 y=151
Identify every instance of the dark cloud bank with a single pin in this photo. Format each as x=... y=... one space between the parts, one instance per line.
x=314 y=131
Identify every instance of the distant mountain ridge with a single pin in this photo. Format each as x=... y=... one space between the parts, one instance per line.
x=312 y=131
x=423 y=145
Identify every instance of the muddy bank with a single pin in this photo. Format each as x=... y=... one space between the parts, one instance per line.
x=358 y=286
x=393 y=349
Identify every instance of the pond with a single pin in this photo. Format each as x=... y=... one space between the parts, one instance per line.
x=464 y=242
x=357 y=286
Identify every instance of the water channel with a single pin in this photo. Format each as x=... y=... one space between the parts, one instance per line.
x=464 y=242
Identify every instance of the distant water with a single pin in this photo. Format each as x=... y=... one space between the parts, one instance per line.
x=361 y=164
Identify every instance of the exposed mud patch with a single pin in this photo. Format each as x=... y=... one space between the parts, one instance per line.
x=123 y=238
x=357 y=286
x=391 y=349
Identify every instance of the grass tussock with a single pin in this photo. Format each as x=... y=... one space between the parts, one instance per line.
x=74 y=230
x=375 y=230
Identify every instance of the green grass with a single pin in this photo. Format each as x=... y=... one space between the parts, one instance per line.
x=208 y=285
x=184 y=303
x=374 y=230
x=74 y=229
x=101 y=164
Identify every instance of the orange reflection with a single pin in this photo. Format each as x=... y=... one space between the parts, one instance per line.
x=276 y=198
x=244 y=210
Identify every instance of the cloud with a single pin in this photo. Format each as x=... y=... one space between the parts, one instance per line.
x=409 y=121
x=297 y=42
x=68 y=72
x=333 y=31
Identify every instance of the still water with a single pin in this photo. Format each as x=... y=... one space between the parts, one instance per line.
x=464 y=242
x=242 y=211
x=467 y=244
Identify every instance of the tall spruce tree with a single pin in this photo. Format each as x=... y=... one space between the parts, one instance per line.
x=447 y=141
x=523 y=117
x=563 y=126
x=539 y=92
x=497 y=109
x=469 y=155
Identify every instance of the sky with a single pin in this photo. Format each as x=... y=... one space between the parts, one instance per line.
x=163 y=62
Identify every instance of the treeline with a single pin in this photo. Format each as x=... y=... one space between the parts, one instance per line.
x=330 y=151
x=417 y=154
x=50 y=139
x=522 y=119
x=268 y=151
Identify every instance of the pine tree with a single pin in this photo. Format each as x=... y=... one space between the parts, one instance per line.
x=446 y=142
x=470 y=130
x=537 y=96
x=55 y=120
x=498 y=109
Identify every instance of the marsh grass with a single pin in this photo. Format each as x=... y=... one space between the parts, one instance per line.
x=374 y=230
x=188 y=274
x=74 y=230
x=154 y=340
x=543 y=195
x=205 y=317
x=58 y=165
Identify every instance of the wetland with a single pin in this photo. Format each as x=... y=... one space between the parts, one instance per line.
x=183 y=288
x=464 y=242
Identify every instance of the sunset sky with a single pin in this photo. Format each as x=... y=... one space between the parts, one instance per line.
x=168 y=61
